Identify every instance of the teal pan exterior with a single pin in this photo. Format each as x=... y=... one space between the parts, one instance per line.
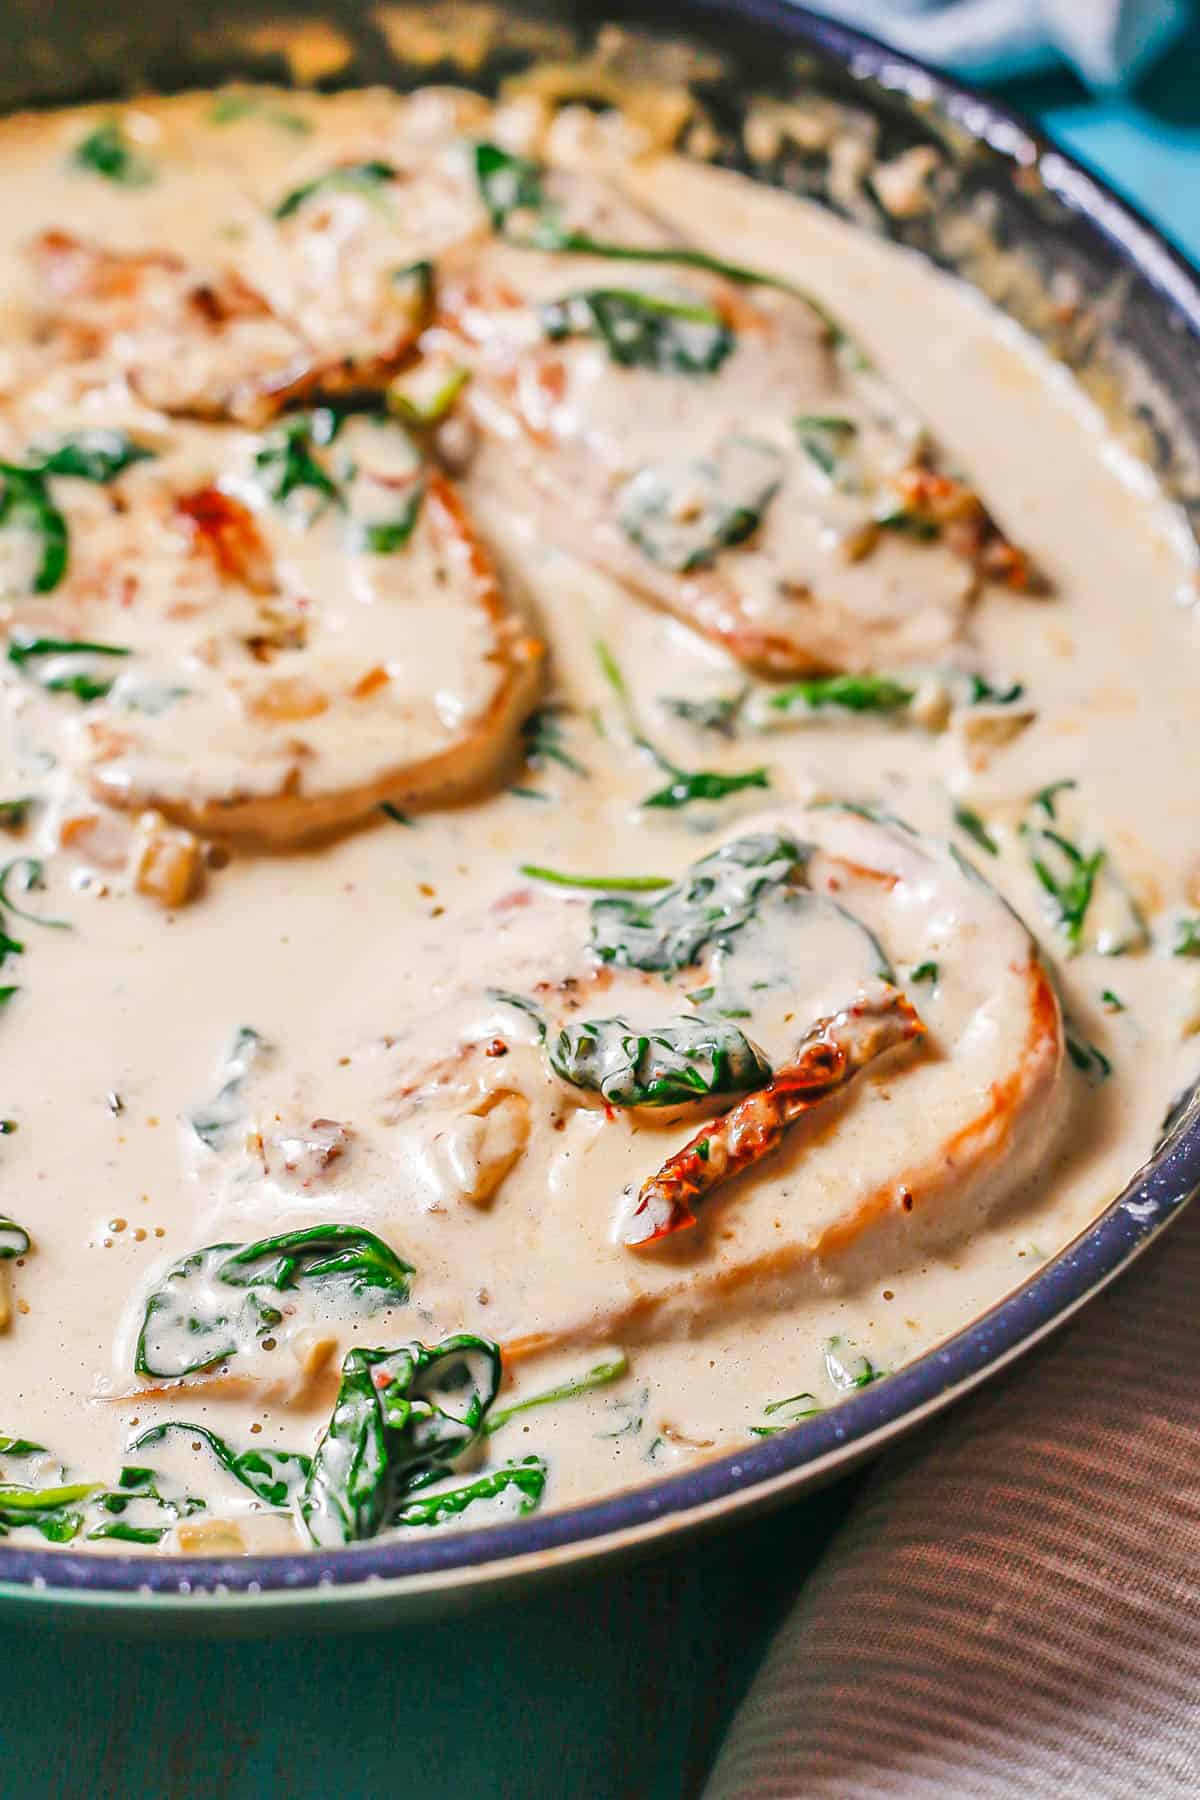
x=1046 y=205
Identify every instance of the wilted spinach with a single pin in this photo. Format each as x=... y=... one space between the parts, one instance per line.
x=692 y=1059
x=226 y=1297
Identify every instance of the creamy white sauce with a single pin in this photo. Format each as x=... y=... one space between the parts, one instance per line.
x=367 y=966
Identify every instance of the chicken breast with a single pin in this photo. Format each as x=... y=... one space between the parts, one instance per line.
x=266 y=638
x=940 y=1095
x=324 y=292
x=713 y=442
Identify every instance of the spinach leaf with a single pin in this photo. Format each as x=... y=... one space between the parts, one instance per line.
x=49 y=1510
x=383 y=537
x=527 y=1477
x=286 y=461
x=703 y=784
x=226 y=1297
x=968 y=820
x=108 y=152
x=273 y=1476
x=1090 y=1061
x=982 y=693
x=719 y=714
x=796 y=1406
x=1067 y=876
x=99 y=456
x=24 y=647
x=507 y=184
x=136 y=1511
x=544 y=741
x=213 y=1125
x=14 y=1241
x=717 y=896
x=849 y=693
x=643 y=331
x=685 y=785
x=669 y=1066
x=30 y=872
x=26 y=503
x=530 y=1008
x=829 y=442
x=400 y=1415
x=849 y=1372
x=1187 y=938
x=597 y=1377
x=354 y=178
x=682 y=515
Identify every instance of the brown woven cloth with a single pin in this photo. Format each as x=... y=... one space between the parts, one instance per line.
x=1012 y=1611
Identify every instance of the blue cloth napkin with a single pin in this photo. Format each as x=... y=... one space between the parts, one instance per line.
x=1107 y=42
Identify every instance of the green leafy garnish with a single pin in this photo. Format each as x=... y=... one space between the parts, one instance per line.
x=286 y=461
x=672 y=1065
x=24 y=647
x=982 y=693
x=394 y=813
x=20 y=1447
x=1066 y=875
x=400 y=1419
x=227 y=1297
x=1090 y=1061
x=704 y=784
x=274 y=1476
x=684 y=514
x=1046 y=799
x=527 y=1478
x=643 y=331
x=14 y=1241
x=829 y=442
x=601 y=1375
x=13 y=813
x=384 y=537
x=507 y=184
x=1113 y=1003
x=26 y=503
x=355 y=178
x=212 y=1126
x=716 y=898
x=630 y=884
x=108 y=152
x=684 y=785
x=719 y=714
x=850 y=693
x=100 y=455
x=30 y=872
x=544 y=741
x=926 y=971
x=849 y=1372
x=52 y=1511
x=796 y=1406
x=969 y=821
x=1187 y=938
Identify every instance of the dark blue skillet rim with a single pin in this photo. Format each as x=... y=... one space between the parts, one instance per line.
x=1152 y=1198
